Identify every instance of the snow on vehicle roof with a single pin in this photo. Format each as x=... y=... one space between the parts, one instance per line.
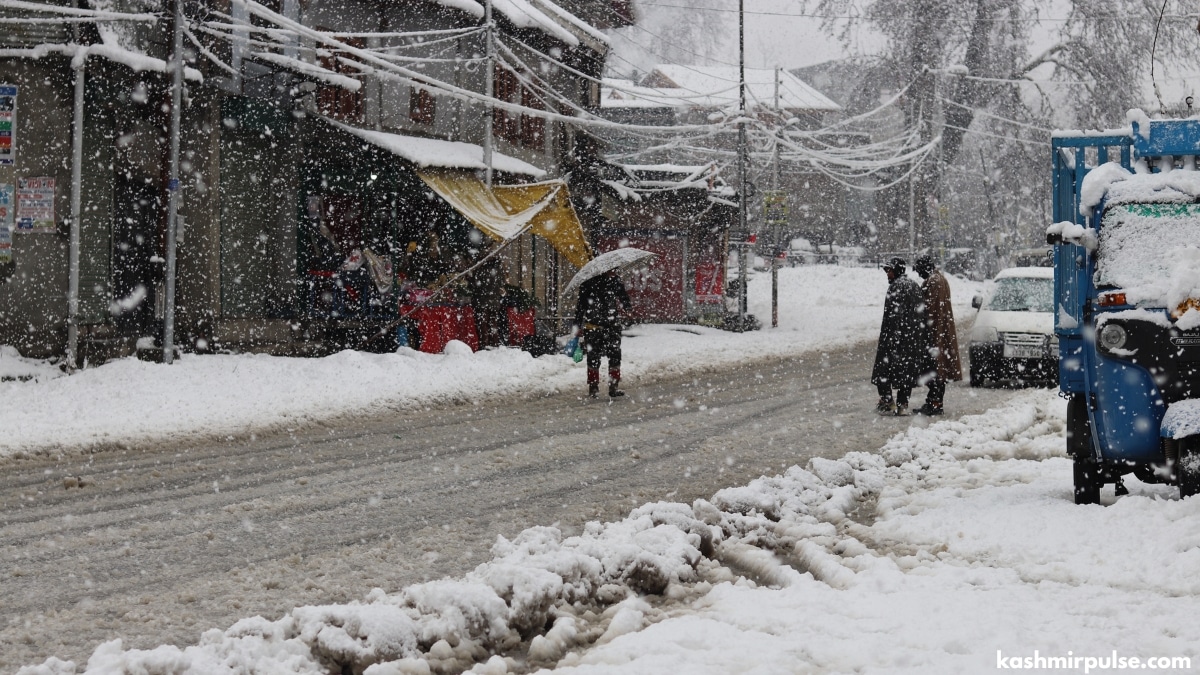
x=1117 y=185
x=1028 y=272
x=1150 y=251
x=1170 y=186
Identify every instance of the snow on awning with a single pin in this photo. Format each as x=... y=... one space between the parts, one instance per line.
x=135 y=61
x=306 y=69
x=524 y=15
x=650 y=178
x=436 y=153
x=505 y=211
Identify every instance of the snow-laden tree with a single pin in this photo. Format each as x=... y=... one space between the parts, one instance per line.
x=668 y=33
x=979 y=71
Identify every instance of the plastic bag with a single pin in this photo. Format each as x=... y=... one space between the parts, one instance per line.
x=573 y=350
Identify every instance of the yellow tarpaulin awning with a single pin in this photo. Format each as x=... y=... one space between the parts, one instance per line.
x=506 y=211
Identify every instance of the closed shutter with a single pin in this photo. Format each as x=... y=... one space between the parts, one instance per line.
x=95 y=231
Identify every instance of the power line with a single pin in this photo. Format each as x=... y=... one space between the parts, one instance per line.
x=807 y=15
x=668 y=42
x=646 y=95
x=371 y=62
x=985 y=113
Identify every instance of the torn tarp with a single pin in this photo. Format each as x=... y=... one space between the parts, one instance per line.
x=506 y=211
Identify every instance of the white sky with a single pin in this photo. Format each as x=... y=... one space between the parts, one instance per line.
x=776 y=35
x=788 y=41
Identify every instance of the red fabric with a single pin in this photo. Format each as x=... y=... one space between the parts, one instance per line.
x=520 y=325
x=655 y=289
x=614 y=374
x=439 y=324
x=593 y=376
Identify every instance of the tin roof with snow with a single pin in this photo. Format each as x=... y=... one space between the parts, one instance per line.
x=717 y=87
x=542 y=15
x=619 y=93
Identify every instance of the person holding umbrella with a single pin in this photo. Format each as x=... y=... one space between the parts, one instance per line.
x=603 y=301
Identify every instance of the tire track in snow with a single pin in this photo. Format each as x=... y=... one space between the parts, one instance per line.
x=318 y=517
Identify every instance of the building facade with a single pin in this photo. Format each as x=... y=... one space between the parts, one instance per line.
x=307 y=217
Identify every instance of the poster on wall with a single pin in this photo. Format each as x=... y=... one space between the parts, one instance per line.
x=655 y=290
x=710 y=286
x=6 y=222
x=8 y=124
x=35 y=205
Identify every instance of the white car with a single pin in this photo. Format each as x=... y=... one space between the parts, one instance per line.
x=1013 y=337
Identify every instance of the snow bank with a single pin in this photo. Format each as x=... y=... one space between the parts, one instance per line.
x=966 y=546
x=534 y=581
x=14 y=367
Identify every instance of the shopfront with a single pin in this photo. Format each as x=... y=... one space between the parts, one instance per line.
x=400 y=241
x=683 y=215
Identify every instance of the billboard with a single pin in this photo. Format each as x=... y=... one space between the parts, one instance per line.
x=8 y=124
x=7 y=213
x=35 y=205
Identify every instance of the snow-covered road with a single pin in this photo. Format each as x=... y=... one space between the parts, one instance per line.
x=953 y=548
x=231 y=487
x=164 y=542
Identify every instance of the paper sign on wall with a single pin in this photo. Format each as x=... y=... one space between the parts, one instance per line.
x=6 y=222
x=35 y=205
x=8 y=124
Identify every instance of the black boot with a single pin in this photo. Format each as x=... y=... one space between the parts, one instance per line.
x=593 y=390
x=614 y=379
x=930 y=409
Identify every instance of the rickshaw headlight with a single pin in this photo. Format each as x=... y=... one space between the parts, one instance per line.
x=1112 y=337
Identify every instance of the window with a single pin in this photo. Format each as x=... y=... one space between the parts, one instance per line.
x=1022 y=294
x=528 y=130
x=338 y=102
x=507 y=125
x=422 y=105
x=533 y=129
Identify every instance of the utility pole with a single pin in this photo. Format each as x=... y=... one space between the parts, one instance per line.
x=80 y=65
x=489 y=115
x=912 y=207
x=744 y=230
x=776 y=177
x=173 y=188
x=778 y=233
